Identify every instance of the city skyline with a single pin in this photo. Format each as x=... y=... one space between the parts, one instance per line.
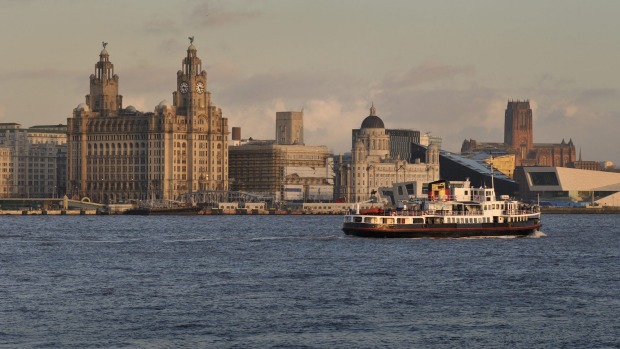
x=437 y=67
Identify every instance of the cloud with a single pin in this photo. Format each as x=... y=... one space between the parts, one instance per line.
x=427 y=72
x=293 y=86
x=329 y=122
x=139 y=103
x=160 y=26
x=326 y=121
x=37 y=74
x=224 y=72
x=213 y=15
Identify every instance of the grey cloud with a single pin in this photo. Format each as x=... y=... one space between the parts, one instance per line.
x=158 y=26
x=208 y=14
x=426 y=73
x=285 y=85
x=597 y=94
x=38 y=74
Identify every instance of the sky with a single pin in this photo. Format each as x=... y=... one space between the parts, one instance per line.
x=438 y=66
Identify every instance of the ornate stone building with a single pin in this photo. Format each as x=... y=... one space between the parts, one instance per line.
x=117 y=154
x=372 y=166
x=519 y=140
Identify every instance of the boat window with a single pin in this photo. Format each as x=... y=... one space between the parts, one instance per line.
x=418 y=220
x=388 y=220
x=369 y=220
x=358 y=219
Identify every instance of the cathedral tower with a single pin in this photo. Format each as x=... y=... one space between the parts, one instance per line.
x=518 y=130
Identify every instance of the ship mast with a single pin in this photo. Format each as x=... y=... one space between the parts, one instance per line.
x=492 y=174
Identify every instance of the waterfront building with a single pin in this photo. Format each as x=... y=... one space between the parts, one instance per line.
x=33 y=169
x=118 y=154
x=6 y=172
x=560 y=186
x=372 y=163
x=400 y=142
x=285 y=169
x=519 y=140
x=456 y=167
x=503 y=162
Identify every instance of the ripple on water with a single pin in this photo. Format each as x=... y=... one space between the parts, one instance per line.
x=291 y=281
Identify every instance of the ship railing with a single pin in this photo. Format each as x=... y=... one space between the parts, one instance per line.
x=512 y=212
x=441 y=198
x=434 y=213
x=522 y=211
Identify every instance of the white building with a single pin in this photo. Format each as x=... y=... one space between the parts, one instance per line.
x=569 y=186
x=371 y=165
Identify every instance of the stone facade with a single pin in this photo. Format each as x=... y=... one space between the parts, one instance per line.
x=372 y=166
x=118 y=154
x=290 y=127
x=284 y=169
x=284 y=172
x=33 y=169
x=6 y=172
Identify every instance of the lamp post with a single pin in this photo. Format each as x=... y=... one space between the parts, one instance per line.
x=370 y=188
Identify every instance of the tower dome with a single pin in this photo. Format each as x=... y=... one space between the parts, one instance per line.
x=372 y=120
x=82 y=107
x=163 y=105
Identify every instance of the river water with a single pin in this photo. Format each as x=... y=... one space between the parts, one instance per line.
x=298 y=282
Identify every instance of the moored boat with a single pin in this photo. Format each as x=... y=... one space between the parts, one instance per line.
x=449 y=213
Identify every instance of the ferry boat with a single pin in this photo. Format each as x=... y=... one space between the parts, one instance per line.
x=449 y=212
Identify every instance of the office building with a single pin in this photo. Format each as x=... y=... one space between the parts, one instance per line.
x=118 y=154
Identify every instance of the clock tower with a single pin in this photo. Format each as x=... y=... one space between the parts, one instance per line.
x=195 y=135
x=191 y=97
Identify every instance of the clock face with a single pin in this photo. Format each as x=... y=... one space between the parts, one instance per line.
x=200 y=87
x=184 y=87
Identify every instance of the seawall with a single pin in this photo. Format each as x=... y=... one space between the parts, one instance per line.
x=581 y=210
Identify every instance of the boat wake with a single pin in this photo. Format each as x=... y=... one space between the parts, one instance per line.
x=326 y=237
x=536 y=235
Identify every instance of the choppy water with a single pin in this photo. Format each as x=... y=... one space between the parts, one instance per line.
x=298 y=282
